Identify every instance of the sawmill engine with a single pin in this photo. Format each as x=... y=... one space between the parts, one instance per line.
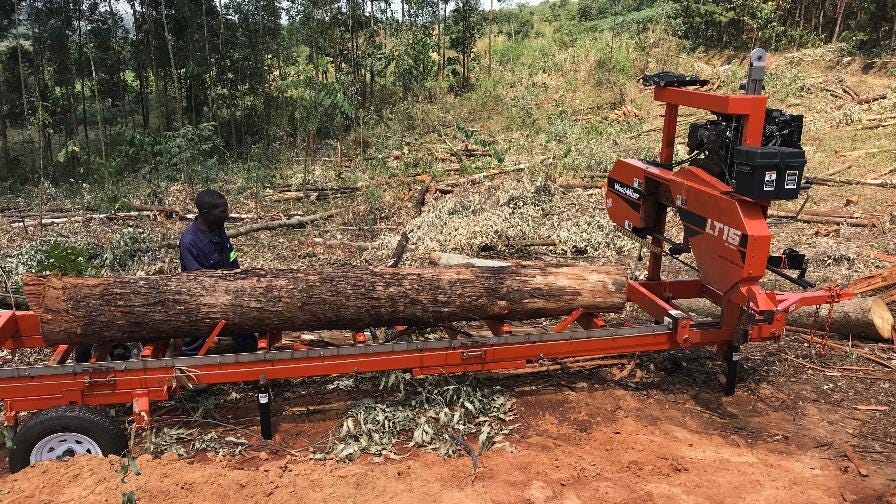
x=773 y=171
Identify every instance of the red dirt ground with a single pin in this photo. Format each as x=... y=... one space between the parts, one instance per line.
x=582 y=445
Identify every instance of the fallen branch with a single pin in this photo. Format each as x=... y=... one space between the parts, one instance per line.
x=833 y=181
x=420 y=200
x=479 y=177
x=403 y=240
x=532 y=243
x=883 y=257
x=872 y=98
x=400 y=248
x=837 y=346
x=285 y=223
x=831 y=372
x=864 y=151
x=876 y=125
x=622 y=374
x=888 y=296
x=583 y=185
x=882 y=117
x=850 y=91
x=167 y=210
x=876 y=280
x=267 y=226
x=81 y=218
x=872 y=408
x=341 y=243
x=837 y=94
x=320 y=193
x=819 y=219
x=860 y=467
x=837 y=170
x=562 y=366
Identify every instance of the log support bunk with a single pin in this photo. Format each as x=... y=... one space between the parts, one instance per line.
x=725 y=231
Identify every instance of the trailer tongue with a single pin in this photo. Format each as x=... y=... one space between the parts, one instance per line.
x=742 y=161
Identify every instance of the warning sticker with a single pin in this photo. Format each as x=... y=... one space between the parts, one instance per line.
x=791 y=178
x=770 y=179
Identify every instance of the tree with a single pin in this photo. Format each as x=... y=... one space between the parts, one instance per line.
x=463 y=27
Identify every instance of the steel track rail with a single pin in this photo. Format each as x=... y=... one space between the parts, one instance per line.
x=346 y=351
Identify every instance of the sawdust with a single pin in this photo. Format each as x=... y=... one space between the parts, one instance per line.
x=488 y=218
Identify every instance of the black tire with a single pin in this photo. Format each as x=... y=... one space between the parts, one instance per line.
x=83 y=353
x=105 y=433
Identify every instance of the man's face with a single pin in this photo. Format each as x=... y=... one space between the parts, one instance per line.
x=216 y=216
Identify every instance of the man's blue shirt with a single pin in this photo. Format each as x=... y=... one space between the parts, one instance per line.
x=204 y=250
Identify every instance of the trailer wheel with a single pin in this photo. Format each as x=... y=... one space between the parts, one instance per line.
x=65 y=431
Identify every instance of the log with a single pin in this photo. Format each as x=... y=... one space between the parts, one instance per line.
x=81 y=218
x=864 y=318
x=854 y=317
x=834 y=181
x=873 y=98
x=821 y=219
x=108 y=309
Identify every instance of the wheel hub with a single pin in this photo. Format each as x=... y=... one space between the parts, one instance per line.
x=63 y=446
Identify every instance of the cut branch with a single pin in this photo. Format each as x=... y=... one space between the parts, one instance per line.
x=820 y=219
x=872 y=98
x=833 y=181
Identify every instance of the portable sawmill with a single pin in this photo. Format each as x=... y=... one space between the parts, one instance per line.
x=740 y=162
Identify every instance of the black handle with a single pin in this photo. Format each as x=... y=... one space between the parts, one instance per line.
x=264 y=408
x=801 y=282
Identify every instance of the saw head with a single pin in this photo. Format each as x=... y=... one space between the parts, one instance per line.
x=727 y=235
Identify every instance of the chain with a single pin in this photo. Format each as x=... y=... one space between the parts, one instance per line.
x=834 y=292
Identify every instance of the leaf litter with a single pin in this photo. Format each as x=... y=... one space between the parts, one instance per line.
x=435 y=413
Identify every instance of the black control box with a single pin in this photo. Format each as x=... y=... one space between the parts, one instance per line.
x=768 y=173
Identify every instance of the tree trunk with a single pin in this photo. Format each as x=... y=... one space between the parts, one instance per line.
x=853 y=317
x=5 y=164
x=83 y=85
x=169 y=42
x=491 y=23
x=99 y=107
x=95 y=310
x=841 y=7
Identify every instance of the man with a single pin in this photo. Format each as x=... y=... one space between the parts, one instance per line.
x=204 y=245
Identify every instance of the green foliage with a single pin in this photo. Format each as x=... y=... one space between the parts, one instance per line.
x=470 y=136
x=742 y=25
x=594 y=10
x=189 y=154
x=463 y=27
x=433 y=413
x=129 y=250
x=185 y=442
x=52 y=255
x=515 y=24
x=321 y=108
x=414 y=68
x=783 y=82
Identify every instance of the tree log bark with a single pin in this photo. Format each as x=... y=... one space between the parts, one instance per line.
x=97 y=310
x=853 y=317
